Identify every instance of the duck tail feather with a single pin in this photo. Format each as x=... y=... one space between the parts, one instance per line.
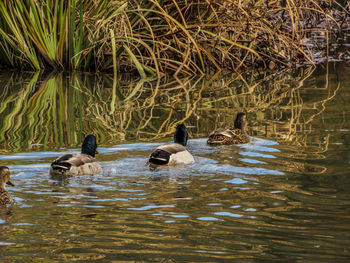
x=159 y=157
x=61 y=166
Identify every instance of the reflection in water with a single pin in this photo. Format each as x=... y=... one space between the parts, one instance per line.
x=282 y=197
x=56 y=111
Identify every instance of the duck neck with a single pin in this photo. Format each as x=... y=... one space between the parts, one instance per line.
x=180 y=138
x=182 y=142
x=241 y=123
x=241 y=127
x=89 y=145
x=2 y=187
x=89 y=152
x=181 y=135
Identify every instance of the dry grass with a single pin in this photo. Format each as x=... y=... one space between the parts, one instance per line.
x=154 y=38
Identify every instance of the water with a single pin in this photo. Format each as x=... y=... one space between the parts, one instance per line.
x=284 y=197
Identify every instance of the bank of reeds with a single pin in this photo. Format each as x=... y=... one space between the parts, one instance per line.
x=156 y=37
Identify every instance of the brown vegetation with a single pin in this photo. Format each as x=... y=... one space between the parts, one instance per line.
x=169 y=37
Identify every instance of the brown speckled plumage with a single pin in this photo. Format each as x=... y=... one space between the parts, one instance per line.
x=5 y=197
x=236 y=135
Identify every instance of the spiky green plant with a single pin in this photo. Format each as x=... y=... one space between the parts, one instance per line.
x=53 y=33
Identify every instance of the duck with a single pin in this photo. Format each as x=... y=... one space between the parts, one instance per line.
x=236 y=135
x=5 y=197
x=173 y=153
x=83 y=163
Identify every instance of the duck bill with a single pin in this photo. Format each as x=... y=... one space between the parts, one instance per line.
x=10 y=183
x=96 y=152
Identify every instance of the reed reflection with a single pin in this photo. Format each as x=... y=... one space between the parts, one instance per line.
x=284 y=193
x=41 y=113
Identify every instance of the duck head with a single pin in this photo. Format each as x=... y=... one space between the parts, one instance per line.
x=89 y=145
x=5 y=177
x=181 y=135
x=241 y=121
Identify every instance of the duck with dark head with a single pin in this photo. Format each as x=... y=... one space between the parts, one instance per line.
x=236 y=135
x=5 y=197
x=172 y=153
x=78 y=163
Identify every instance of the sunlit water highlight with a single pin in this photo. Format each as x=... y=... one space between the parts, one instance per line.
x=232 y=203
x=283 y=197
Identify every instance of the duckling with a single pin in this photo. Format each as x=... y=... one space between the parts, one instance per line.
x=237 y=135
x=173 y=153
x=78 y=163
x=5 y=197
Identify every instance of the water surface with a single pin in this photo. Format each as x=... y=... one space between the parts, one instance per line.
x=283 y=197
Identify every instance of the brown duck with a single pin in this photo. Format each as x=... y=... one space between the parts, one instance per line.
x=237 y=135
x=5 y=197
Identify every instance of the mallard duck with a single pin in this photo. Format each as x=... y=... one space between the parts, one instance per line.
x=5 y=197
x=173 y=153
x=78 y=163
x=237 y=135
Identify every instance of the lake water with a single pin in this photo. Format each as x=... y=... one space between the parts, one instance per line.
x=283 y=197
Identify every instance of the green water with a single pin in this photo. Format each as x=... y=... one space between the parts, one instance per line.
x=284 y=197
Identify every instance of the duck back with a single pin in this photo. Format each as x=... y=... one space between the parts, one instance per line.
x=73 y=164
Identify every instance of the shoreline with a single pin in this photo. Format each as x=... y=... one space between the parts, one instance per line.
x=180 y=42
